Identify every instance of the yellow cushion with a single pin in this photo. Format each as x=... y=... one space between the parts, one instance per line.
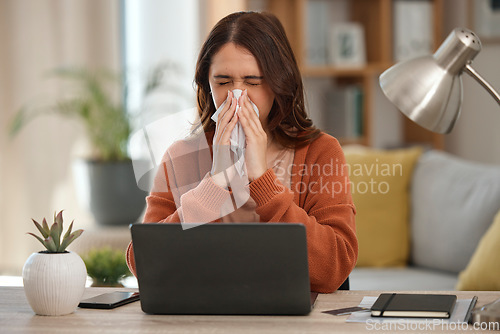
x=483 y=270
x=380 y=182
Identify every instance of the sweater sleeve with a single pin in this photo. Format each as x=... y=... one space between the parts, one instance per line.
x=325 y=207
x=202 y=203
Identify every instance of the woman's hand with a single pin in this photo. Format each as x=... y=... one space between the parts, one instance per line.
x=256 y=139
x=226 y=122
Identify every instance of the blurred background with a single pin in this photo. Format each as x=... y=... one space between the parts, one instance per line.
x=148 y=39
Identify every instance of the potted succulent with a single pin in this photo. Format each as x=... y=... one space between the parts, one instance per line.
x=54 y=279
x=105 y=180
x=106 y=267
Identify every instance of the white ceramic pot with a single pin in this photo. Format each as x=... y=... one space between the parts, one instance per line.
x=54 y=282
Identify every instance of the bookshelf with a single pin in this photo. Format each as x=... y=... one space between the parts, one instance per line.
x=376 y=18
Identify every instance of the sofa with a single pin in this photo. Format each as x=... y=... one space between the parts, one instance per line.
x=425 y=220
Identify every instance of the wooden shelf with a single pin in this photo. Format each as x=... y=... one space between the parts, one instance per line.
x=353 y=141
x=376 y=17
x=332 y=71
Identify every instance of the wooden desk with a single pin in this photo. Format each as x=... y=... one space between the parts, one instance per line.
x=16 y=316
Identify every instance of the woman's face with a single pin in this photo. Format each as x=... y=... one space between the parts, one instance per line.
x=234 y=67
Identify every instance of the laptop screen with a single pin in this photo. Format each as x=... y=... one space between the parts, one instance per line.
x=247 y=268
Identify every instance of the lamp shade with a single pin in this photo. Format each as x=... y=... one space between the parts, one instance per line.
x=428 y=89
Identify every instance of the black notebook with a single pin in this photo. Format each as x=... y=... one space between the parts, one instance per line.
x=413 y=305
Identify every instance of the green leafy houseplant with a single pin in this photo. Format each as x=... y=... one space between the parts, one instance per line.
x=106 y=266
x=93 y=102
x=94 y=98
x=52 y=235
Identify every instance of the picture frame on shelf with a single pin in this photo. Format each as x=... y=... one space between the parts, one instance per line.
x=484 y=19
x=347 y=45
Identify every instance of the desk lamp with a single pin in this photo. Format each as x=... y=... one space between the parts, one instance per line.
x=428 y=90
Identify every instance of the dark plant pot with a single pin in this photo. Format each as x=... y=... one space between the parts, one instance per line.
x=109 y=190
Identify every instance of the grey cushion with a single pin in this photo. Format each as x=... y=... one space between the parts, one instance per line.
x=453 y=203
x=397 y=279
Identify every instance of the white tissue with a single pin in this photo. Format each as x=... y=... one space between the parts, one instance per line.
x=237 y=138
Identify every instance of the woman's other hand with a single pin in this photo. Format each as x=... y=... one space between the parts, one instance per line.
x=255 y=136
x=222 y=159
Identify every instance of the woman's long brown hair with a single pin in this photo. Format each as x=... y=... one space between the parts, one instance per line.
x=263 y=35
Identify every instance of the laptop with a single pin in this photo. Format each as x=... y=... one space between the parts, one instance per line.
x=238 y=268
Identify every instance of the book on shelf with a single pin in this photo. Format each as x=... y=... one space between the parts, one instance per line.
x=413 y=305
x=317 y=32
x=345 y=112
x=413 y=27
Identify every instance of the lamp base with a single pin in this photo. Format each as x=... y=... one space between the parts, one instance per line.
x=488 y=314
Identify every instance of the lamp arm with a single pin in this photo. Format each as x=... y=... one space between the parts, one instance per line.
x=470 y=71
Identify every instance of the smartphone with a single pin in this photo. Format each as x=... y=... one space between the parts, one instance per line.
x=346 y=310
x=110 y=300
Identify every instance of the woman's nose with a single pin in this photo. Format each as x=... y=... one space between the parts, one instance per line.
x=238 y=85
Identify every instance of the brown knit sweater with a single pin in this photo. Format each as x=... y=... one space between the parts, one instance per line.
x=319 y=198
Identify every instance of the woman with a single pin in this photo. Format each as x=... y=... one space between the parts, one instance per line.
x=293 y=172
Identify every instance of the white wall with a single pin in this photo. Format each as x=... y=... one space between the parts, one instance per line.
x=476 y=135
x=35 y=166
x=36 y=36
x=157 y=31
